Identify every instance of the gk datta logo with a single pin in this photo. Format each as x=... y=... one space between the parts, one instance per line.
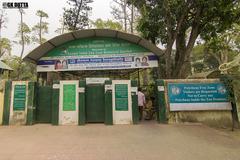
x=14 y=5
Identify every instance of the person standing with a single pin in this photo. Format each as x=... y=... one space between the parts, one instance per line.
x=141 y=102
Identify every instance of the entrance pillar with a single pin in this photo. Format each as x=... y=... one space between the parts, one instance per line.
x=135 y=112
x=161 y=102
x=55 y=102
x=108 y=103
x=82 y=108
x=31 y=103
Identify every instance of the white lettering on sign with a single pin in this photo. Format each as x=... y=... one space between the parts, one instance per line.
x=108 y=87
x=56 y=86
x=134 y=89
x=81 y=90
x=160 y=88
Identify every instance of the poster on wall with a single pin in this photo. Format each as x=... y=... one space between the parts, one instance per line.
x=19 y=99
x=121 y=97
x=69 y=97
x=97 y=54
x=198 y=96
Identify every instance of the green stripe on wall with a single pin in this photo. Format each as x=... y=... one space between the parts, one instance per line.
x=55 y=104
x=82 y=112
x=7 y=101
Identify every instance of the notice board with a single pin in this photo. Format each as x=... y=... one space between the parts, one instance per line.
x=121 y=97
x=19 y=100
x=69 y=97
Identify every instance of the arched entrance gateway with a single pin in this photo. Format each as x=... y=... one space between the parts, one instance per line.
x=90 y=73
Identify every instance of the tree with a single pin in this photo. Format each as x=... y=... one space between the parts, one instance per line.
x=3 y=20
x=26 y=71
x=124 y=13
x=225 y=45
x=77 y=16
x=40 y=28
x=24 y=34
x=5 y=47
x=217 y=50
x=178 y=24
x=62 y=29
x=109 y=24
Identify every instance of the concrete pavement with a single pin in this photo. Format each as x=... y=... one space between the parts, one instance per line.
x=146 y=141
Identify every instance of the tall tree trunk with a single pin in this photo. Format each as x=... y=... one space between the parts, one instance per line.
x=78 y=13
x=168 y=53
x=1 y=24
x=125 y=15
x=40 y=30
x=132 y=17
x=22 y=43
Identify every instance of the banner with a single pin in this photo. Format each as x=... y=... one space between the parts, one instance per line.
x=97 y=54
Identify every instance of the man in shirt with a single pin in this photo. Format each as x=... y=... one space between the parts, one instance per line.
x=141 y=102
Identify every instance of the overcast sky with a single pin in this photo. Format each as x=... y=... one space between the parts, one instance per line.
x=54 y=8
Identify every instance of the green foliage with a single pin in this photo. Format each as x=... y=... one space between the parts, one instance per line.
x=178 y=24
x=42 y=14
x=26 y=34
x=217 y=50
x=109 y=24
x=5 y=47
x=232 y=84
x=77 y=16
x=27 y=71
x=40 y=28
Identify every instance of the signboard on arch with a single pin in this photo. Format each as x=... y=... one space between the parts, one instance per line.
x=99 y=53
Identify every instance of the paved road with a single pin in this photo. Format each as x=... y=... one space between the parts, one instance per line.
x=146 y=141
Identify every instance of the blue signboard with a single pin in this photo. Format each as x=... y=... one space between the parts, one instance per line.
x=197 y=92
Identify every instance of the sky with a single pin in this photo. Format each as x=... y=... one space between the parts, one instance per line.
x=54 y=8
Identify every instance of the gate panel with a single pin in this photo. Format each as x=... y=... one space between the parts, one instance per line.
x=68 y=103
x=122 y=102
x=95 y=111
x=44 y=101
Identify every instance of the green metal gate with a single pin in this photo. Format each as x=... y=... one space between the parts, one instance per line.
x=95 y=111
x=44 y=101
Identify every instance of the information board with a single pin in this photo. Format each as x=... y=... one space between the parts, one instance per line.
x=19 y=100
x=121 y=97
x=69 y=97
x=198 y=96
x=99 y=53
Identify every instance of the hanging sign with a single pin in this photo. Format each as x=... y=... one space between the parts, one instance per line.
x=98 y=53
x=19 y=100
x=69 y=97
x=121 y=97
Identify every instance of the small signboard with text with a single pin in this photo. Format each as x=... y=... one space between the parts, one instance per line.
x=19 y=100
x=69 y=97
x=121 y=97
x=197 y=96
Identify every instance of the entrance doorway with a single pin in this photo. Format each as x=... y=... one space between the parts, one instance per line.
x=95 y=105
x=44 y=100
